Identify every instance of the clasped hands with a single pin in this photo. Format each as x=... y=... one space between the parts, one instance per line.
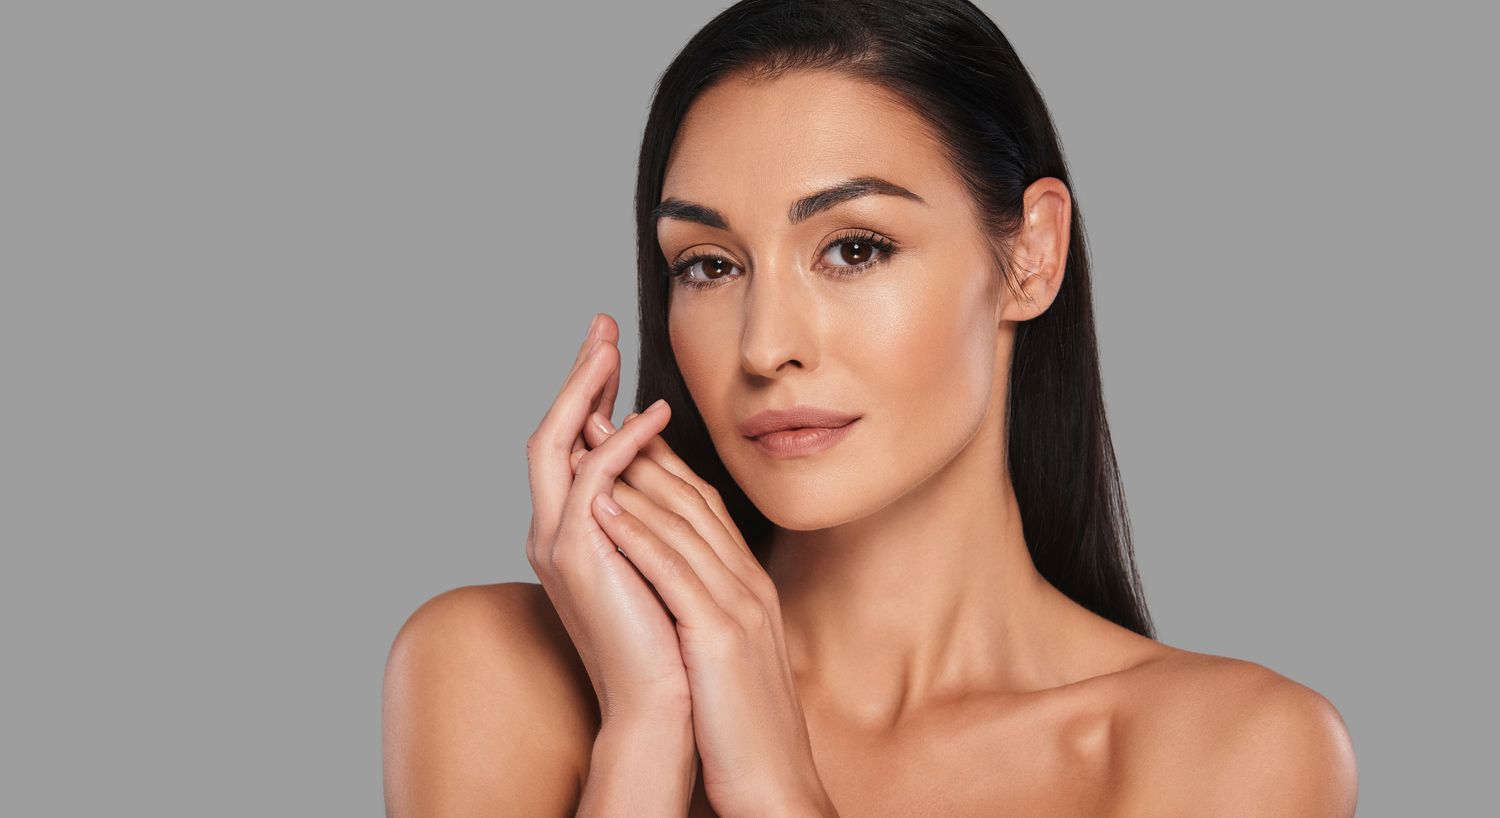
x=673 y=528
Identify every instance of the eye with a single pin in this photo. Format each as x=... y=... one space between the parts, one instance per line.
x=857 y=251
x=715 y=268
x=846 y=255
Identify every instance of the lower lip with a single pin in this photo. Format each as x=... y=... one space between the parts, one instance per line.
x=804 y=441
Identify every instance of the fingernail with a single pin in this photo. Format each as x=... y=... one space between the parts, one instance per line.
x=608 y=504
x=593 y=325
x=629 y=416
x=656 y=407
x=601 y=423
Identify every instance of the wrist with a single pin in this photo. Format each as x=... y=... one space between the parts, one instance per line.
x=639 y=766
x=656 y=731
x=645 y=712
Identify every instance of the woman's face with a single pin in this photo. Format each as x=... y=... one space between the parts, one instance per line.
x=910 y=342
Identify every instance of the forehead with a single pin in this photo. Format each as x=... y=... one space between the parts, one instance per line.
x=751 y=148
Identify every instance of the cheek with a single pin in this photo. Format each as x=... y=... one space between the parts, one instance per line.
x=927 y=351
x=698 y=361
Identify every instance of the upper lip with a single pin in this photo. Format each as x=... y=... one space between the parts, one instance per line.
x=793 y=417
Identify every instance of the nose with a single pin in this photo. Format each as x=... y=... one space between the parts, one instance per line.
x=780 y=316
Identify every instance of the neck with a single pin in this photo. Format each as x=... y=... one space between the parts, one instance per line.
x=932 y=597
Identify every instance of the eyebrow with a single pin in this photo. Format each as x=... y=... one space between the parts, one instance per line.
x=801 y=210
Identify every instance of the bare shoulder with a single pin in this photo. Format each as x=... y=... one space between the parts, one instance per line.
x=486 y=705
x=1214 y=735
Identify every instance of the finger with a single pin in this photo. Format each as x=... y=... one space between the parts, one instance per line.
x=604 y=404
x=600 y=466
x=598 y=428
x=549 y=446
x=604 y=330
x=668 y=571
x=696 y=535
x=683 y=497
x=656 y=450
x=599 y=329
x=588 y=341
x=609 y=331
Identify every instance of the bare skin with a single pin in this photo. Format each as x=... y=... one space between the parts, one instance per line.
x=939 y=673
x=1186 y=734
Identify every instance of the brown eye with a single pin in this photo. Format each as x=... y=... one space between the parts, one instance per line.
x=714 y=269
x=857 y=251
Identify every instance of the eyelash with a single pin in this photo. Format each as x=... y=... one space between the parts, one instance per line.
x=678 y=271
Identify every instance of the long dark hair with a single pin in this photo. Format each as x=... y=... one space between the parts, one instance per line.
x=955 y=68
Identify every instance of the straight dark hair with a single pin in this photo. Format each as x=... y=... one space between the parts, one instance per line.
x=955 y=68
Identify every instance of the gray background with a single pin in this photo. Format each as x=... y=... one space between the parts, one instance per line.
x=287 y=285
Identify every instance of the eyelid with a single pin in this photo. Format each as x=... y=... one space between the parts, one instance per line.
x=710 y=253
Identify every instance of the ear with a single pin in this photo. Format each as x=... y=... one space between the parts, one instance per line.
x=1040 y=251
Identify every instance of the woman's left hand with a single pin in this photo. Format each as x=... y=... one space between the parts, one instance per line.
x=748 y=722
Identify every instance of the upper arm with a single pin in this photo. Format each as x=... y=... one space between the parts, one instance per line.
x=1285 y=751
x=480 y=709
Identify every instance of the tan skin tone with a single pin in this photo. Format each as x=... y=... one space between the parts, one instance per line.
x=898 y=653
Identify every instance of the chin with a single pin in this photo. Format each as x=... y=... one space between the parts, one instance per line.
x=812 y=499
x=800 y=517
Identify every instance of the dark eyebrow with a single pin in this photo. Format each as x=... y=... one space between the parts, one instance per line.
x=802 y=210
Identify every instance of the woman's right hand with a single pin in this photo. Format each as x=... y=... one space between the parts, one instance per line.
x=619 y=626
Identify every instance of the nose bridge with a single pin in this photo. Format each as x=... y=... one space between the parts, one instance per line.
x=778 y=321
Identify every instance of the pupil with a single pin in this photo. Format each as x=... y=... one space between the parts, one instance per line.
x=864 y=252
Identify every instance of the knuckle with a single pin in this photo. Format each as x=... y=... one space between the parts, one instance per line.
x=536 y=445
x=710 y=494
x=631 y=526
x=762 y=586
x=591 y=463
x=728 y=635
x=749 y=610
x=678 y=525
x=686 y=493
x=672 y=564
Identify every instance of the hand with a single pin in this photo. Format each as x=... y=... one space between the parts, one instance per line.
x=747 y=719
x=621 y=630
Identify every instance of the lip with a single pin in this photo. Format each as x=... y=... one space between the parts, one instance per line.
x=801 y=441
x=800 y=416
x=797 y=431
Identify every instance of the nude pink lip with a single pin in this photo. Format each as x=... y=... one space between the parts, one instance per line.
x=802 y=441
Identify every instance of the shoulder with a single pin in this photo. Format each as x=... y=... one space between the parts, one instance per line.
x=485 y=700
x=1231 y=737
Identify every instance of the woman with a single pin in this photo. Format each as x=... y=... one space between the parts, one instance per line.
x=866 y=553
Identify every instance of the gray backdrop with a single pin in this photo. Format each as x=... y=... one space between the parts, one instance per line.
x=287 y=285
